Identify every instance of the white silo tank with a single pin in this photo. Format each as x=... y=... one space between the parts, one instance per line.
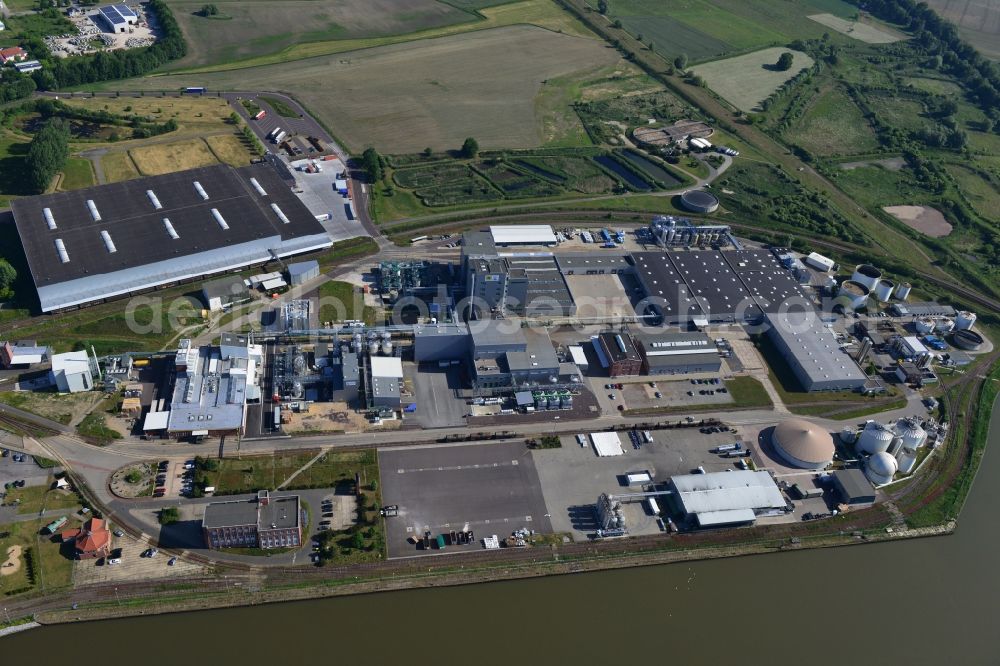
x=907 y=461
x=965 y=320
x=904 y=291
x=867 y=275
x=848 y=435
x=387 y=347
x=880 y=468
x=944 y=325
x=875 y=438
x=925 y=325
x=373 y=348
x=883 y=290
x=911 y=433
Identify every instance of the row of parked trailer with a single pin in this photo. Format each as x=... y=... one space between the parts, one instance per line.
x=277 y=135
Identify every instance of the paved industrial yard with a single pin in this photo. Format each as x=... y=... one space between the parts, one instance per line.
x=491 y=488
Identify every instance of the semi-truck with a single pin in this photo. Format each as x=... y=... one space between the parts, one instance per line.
x=260 y=115
x=280 y=136
x=723 y=448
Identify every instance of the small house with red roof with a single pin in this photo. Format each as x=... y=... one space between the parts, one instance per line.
x=12 y=54
x=91 y=540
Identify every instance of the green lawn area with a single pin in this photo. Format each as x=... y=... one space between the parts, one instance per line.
x=346 y=249
x=41 y=498
x=748 y=392
x=94 y=427
x=341 y=301
x=77 y=174
x=280 y=107
x=43 y=564
x=249 y=474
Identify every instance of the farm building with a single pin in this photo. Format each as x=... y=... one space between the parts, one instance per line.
x=116 y=18
x=102 y=242
x=12 y=54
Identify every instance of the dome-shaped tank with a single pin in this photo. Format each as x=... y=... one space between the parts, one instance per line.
x=965 y=320
x=386 y=335
x=852 y=295
x=297 y=389
x=911 y=433
x=875 y=438
x=880 y=468
x=803 y=444
x=925 y=325
x=883 y=290
x=848 y=435
x=867 y=275
x=373 y=335
x=944 y=325
x=903 y=292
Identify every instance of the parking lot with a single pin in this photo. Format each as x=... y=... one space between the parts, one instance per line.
x=639 y=393
x=572 y=477
x=133 y=566
x=487 y=488
x=320 y=197
x=32 y=474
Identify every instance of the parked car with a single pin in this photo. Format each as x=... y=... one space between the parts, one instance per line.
x=171 y=561
x=115 y=560
x=118 y=533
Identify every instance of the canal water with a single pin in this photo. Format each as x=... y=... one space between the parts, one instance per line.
x=928 y=601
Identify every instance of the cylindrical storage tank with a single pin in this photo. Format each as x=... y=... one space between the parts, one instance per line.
x=373 y=335
x=904 y=291
x=967 y=339
x=883 y=290
x=853 y=295
x=965 y=320
x=387 y=348
x=386 y=335
x=541 y=404
x=925 y=325
x=700 y=201
x=880 y=468
x=944 y=325
x=911 y=433
x=895 y=446
x=566 y=402
x=848 y=435
x=907 y=461
x=373 y=348
x=875 y=438
x=867 y=275
x=801 y=443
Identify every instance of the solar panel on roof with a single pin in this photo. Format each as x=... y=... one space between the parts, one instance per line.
x=112 y=15
x=124 y=10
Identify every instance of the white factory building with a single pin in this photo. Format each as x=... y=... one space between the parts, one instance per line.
x=721 y=499
x=73 y=372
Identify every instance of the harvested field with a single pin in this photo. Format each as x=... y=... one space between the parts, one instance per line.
x=251 y=28
x=229 y=149
x=441 y=90
x=863 y=32
x=746 y=81
x=169 y=157
x=978 y=22
x=924 y=219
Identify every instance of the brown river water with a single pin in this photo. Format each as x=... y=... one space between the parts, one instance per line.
x=926 y=601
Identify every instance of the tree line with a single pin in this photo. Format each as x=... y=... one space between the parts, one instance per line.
x=47 y=153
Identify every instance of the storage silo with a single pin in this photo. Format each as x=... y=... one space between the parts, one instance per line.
x=373 y=348
x=965 y=320
x=925 y=325
x=387 y=347
x=848 y=435
x=883 y=290
x=904 y=291
x=852 y=295
x=907 y=461
x=944 y=325
x=875 y=438
x=867 y=275
x=880 y=468
x=911 y=433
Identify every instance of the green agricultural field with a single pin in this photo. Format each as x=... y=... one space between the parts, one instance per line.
x=978 y=22
x=833 y=125
x=747 y=80
x=708 y=29
x=982 y=190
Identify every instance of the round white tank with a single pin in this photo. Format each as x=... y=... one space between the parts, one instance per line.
x=880 y=468
x=904 y=291
x=883 y=290
x=907 y=461
x=875 y=438
x=848 y=435
x=965 y=320
x=387 y=348
x=912 y=434
x=867 y=275
x=944 y=325
x=373 y=348
x=925 y=325
x=853 y=295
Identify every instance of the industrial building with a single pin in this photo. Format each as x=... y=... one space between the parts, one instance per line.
x=224 y=292
x=803 y=444
x=503 y=358
x=619 y=352
x=812 y=352
x=922 y=309
x=385 y=374
x=671 y=231
x=722 y=499
x=117 y=17
x=73 y=372
x=522 y=234
x=212 y=387
x=677 y=353
x=301 y=272
x=529 y=286
x=22 y=354
x=106 y=241
x=263 y=522
x=853 y=487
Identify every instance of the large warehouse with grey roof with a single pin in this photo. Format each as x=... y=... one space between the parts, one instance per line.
x=89 y=245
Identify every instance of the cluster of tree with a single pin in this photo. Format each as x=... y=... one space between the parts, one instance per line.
x=470 y=148
x=169 y=515
x=8 y=276
x=371 y=162
x=928 y=172
x=47 y=153
x=15 y=87
x=785 y=61
x=208 y=10
x=118 y=64
x=142 y=126
x=940 y=42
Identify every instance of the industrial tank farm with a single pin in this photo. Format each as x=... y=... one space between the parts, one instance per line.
x=867 y=275
x=852 y=295
x=699 y=201
x=803 y=444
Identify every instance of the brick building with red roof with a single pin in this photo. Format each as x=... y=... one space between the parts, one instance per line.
x=90 y=541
